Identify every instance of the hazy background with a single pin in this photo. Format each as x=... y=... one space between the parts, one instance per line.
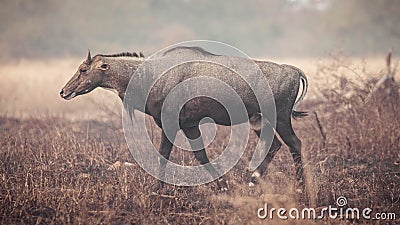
x=41 y=29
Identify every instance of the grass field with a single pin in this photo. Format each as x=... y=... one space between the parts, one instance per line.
x=68 y=163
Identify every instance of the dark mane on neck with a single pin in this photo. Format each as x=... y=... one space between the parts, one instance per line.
x=124 y=54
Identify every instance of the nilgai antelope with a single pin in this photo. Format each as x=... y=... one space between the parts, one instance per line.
x=115 y=72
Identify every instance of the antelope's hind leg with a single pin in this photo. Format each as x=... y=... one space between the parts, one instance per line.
x=262 y=168
x=263 y=130
x=287 y=134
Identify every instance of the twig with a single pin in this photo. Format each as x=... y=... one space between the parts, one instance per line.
x=186 y=214
x=320 y=128
x=167 y=196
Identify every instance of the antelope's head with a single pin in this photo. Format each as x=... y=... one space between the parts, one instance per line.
x=88 y=77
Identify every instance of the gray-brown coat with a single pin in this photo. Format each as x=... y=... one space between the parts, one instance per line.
x=115 y=72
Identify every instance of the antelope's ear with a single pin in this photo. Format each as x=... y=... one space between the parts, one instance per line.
x=105 y=66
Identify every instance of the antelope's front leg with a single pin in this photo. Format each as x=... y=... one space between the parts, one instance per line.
x=165 y=151
x=196 y=142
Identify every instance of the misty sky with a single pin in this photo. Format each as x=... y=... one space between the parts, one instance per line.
x=277 y=28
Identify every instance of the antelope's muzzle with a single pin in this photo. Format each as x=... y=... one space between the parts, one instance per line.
x=67 y=96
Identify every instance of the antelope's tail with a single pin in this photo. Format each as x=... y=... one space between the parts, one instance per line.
x=304 y=81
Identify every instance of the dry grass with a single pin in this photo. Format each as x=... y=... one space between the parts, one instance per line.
x=58 y=160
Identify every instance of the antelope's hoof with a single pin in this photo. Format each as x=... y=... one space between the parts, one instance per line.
x=157 y=187
x=253 y=179
x=300 y=187
x=222 y=185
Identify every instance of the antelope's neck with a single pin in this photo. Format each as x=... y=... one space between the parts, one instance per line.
x=121 y=71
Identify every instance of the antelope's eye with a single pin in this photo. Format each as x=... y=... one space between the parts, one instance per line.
x=82 y=70
x=104 y=66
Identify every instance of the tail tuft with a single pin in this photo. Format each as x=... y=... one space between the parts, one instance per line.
x=299 y=114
